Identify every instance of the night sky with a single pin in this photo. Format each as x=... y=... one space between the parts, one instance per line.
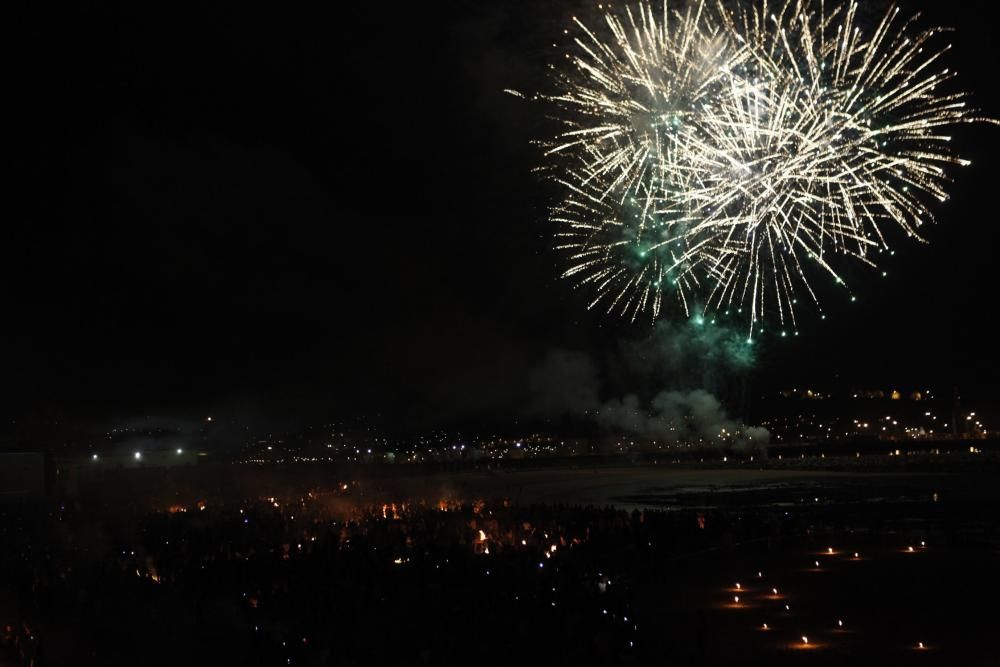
x=289 y=211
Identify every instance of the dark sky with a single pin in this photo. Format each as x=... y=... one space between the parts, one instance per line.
x=291 y=210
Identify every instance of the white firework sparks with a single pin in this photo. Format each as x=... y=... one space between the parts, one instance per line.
x=723 y=156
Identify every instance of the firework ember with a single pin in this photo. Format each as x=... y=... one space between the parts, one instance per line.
x=723 y=158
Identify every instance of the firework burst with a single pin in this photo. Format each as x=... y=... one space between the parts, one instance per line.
x=722 y=157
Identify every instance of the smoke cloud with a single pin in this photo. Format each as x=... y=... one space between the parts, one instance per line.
x=680 y=417
x=668 y=385
x=564 y=384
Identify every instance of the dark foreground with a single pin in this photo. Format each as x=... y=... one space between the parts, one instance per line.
x=513 y=569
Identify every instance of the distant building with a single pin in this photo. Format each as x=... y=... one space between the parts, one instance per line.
x=140 y=458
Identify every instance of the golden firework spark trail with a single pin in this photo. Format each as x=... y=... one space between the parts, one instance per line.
x=722 y=156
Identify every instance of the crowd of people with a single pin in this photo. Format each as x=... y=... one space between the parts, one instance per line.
x=324 y=578
x=339 y=576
